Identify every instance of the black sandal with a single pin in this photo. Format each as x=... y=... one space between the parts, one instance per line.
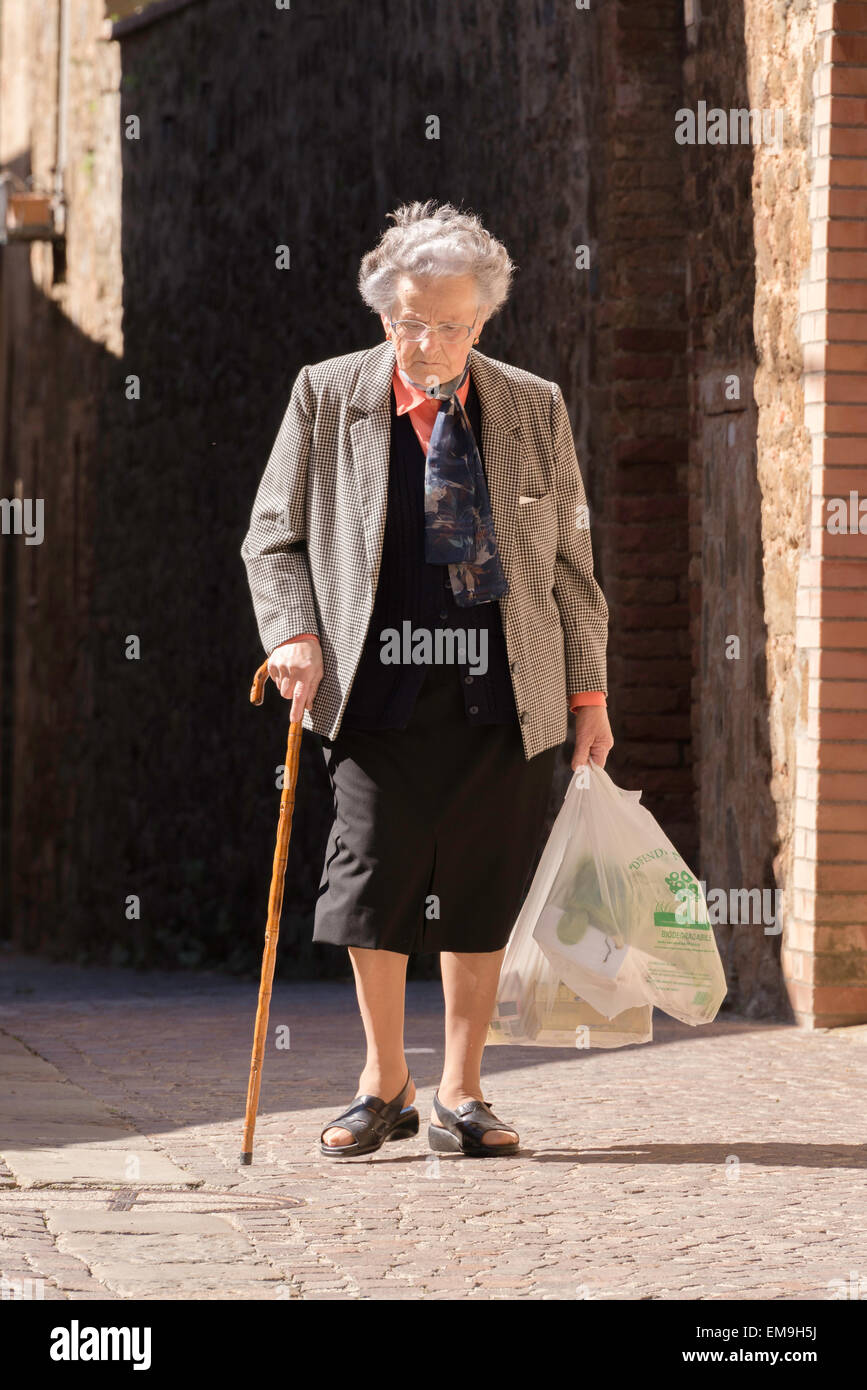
x=464 y=1127
x=374 y=1122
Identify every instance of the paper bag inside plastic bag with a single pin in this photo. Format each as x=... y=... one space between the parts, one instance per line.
x=545 y=1013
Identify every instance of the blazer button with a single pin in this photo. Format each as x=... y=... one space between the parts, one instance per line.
x=444 y=614
x=514 y=667
x=474 y=709
x=524 y=716
x=468 y=680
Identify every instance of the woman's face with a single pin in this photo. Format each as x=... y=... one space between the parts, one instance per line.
x=452 y=299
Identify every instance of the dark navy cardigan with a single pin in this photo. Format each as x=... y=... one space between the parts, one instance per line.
x=383 y=696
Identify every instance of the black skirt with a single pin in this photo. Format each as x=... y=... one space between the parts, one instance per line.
x=436 y=829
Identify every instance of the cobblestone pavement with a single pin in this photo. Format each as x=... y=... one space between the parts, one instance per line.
x=714 y=1163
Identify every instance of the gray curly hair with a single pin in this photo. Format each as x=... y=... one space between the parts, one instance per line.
x=431 y=239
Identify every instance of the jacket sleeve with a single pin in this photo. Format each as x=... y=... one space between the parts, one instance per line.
x=583 y=610
x=275 y=547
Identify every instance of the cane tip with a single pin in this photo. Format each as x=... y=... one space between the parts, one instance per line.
x=246 y=1159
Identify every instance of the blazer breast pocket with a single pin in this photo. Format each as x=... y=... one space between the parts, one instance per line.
x=533 y=508
x=537 y=525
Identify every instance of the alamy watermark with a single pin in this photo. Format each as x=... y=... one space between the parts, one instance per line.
x=737 y=126
x=739 y=906
x=855 y=1288
x=23 y=516
x=438 y=646
x=20 y=1289
x=847 y=517
x=77 y=1343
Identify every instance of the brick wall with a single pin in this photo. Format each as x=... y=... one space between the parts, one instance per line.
x=639 y=419
x=825 y=959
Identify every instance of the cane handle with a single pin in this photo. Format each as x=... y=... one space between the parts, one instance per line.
x=257 y=689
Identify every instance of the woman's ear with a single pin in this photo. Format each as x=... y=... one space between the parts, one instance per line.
x=385 y=325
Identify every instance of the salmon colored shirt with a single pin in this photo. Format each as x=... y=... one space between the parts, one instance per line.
x=423 y=412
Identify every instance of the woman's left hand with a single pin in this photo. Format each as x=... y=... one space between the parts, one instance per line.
x=593 y=737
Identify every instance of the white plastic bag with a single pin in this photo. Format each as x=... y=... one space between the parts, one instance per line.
x=614 y=923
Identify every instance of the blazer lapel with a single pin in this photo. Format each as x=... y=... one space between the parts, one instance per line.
x=371 y=439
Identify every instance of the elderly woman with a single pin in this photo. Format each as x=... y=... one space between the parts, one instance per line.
x=420 y=564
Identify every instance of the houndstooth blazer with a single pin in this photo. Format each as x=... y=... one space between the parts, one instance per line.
x=314 y=543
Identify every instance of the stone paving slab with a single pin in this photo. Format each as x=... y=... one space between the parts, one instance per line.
x=174 y=1281
x=65 y=1221
x=52 y=1131
x=714 y=1163
x=45 y=1167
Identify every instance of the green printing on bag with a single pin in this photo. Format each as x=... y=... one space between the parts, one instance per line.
x=680 y=881
x=578 y=898
x=669 y=919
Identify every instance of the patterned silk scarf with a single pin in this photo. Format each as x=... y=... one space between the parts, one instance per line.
x=459 y=525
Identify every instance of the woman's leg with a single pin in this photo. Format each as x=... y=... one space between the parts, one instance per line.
x=470 y=988
x=380 y=983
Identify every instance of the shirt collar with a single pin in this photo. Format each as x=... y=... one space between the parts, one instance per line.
x=409 y=397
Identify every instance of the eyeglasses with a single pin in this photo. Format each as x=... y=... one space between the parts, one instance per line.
x=413 y=330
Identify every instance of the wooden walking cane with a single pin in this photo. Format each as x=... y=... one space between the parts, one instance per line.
x=275 y=904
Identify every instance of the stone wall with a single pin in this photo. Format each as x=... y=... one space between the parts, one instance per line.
x=749 y=458
x=60 y=321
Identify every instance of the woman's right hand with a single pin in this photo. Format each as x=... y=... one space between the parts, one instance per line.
x=296 y=670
